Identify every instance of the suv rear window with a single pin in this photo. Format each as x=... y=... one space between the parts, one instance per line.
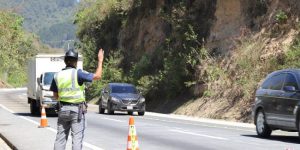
x=290 y=80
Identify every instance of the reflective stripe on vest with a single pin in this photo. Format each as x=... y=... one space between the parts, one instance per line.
x=68 y=88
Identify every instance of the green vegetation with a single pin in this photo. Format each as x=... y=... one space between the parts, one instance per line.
x=281 y=16
x=51 y=20
x=163 y=74
x=290 y=58
x=16 y=47
x=180 y=61
x=99 y=24
x=248 y=67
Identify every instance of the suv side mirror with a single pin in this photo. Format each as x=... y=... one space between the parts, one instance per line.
x=289 y=88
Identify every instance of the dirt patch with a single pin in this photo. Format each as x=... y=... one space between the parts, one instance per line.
x=2 y=84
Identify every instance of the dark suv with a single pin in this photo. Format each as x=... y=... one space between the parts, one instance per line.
x=277 y=103
x=121 y=97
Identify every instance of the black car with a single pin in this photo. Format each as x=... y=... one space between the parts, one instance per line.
x=121 y=97
x=277 y=103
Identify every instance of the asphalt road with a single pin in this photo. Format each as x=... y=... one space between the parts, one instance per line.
x=154 y=131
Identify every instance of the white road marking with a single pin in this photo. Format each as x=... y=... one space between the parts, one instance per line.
x=204 y=120
x=203 y=125
x=113 y=119
x=34 y=122
x=88 y=145
x=197 y=134
x=7 y=109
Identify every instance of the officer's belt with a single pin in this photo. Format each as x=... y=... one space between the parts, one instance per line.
x=71 y=104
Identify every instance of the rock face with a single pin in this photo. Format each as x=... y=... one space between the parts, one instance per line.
x=217 y=22
x=145 y=30
x=221 y=27
x=229 y=21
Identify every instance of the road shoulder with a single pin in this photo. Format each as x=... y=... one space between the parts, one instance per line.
x=23 y=134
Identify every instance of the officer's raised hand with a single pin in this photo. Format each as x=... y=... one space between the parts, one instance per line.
x=100 y=55
x=98 y=73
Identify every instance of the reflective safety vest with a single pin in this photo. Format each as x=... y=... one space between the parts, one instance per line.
x=68 y=88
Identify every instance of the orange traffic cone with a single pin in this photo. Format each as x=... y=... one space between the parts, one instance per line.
x=132 y=142
x=44 y=120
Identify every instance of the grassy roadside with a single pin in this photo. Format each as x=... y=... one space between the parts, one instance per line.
x=231 y=82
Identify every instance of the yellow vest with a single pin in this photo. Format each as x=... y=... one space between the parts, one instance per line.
x=68 y=88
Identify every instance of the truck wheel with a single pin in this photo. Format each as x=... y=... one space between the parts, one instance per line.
x=130 y=112
x=101 y=109
x=109 y=109
x=262 y=129
x=34 y=110
x=141 y=113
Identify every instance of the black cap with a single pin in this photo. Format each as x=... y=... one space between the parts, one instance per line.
x=71 y=53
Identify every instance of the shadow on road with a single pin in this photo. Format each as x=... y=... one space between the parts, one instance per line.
x=22 y=114
x=118 y=114
x=282 y=138
x=37 y=116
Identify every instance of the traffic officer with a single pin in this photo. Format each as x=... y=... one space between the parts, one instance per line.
x=68 y=89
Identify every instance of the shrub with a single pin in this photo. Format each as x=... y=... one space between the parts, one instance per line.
x=281 y=16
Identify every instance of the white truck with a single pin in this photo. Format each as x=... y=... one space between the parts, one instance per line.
x=41 y=70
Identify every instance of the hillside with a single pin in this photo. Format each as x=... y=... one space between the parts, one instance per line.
x=51 y=20
x=197 y=57
x=16 y=47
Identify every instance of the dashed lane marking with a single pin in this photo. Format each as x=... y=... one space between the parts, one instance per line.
x=113 y=119
x=203 y=125
x=197 y=134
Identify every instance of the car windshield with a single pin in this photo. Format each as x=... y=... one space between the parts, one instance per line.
x=124 y=89
x=48 y=77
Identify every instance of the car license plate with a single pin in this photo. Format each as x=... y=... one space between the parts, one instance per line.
x=129 y=107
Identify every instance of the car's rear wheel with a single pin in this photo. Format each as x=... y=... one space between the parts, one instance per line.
x=262 y=129
x=141 y=113
x=109 y=108
x=101 y=109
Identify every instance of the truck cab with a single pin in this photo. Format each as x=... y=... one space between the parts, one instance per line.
x=45 y=96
